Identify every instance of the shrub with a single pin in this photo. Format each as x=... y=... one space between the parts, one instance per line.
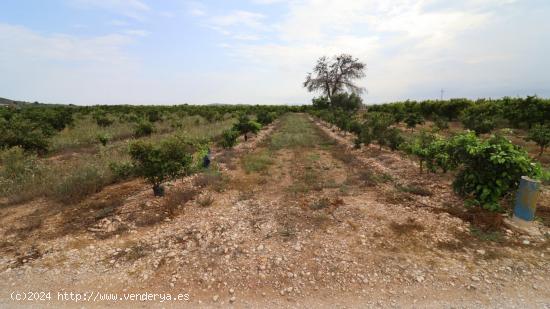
x=160 y=163
x=540 y=134
x=419 y=147
x=245 y=126
x=480 y=118
x=122 y=170
x=143 y=128
x=355 y=127
x=394 y=138
x=413 y=119
x=345 y=101
x=265 y=117
x=229 y=138
x=154 y=115
x=103 y=139
x=22 y=132
x=489 y=168
x=376 y=127
x=103 y=121
x=320 y=102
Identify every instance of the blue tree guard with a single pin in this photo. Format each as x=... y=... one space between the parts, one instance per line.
x=526 y=199
x=206 y=160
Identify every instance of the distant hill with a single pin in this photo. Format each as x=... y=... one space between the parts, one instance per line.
x=22 y=104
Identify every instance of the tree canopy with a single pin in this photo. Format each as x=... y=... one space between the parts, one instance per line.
x=333 y=76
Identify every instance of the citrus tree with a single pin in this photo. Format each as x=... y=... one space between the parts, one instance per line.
x=245 y=126
x=162 y=162
x=540 y=134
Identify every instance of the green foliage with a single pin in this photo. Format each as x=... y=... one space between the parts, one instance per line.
x=229 y=138
x=376 y=128
x=346 y=102
x=103 y=120
x=489 y=168
x=355 y=127
x=154 y=115
x=22 y=132
x=522 y=112
x=122 y=170
x=545 y=176
x=481 y=118
x=540 y=134
x=48 y=119
x=159 y=163
x=413 y=119
x=452 y=109
x=103 y=138
x=143 y=128
x=265 y=117
x=394 y=138
x=419 y=147
x=321 y=102
x=245 y=126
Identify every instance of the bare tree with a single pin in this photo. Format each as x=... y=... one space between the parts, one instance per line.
x=336 y=75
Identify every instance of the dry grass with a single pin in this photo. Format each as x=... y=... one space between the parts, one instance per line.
x=205 y=200
x=320 y=204
x=413 y=189
x=27 y=226
x=177 y=198
x=213 y=179
x=406 y=227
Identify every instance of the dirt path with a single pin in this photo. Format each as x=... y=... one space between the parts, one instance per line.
x=294 y=218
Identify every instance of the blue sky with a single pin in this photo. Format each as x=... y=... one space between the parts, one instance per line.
x=259 y=51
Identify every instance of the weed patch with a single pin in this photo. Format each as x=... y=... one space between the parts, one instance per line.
x=406 y=227
x=256 y=161
x=213 y=179
x=205 y=200
x=320 y=204
x=412 y=189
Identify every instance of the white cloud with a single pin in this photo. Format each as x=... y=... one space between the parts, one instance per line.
x=32 y=45
x=237 y=18
x=412 y=50
x=411 y=47
x=63 y=68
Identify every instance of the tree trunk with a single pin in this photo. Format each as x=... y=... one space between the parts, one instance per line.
x=245 y=137
x=158 y=190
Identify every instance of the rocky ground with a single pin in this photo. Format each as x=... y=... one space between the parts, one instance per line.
x=292 y=218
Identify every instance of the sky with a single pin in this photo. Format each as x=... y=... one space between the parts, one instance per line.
x=259 y=51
